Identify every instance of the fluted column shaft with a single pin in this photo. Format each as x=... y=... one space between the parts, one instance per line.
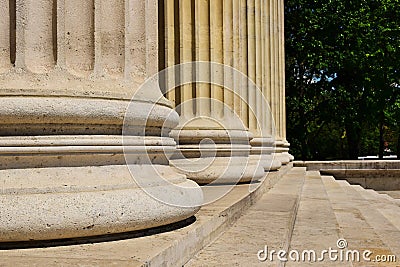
x=187 y=46
x=57 y=43
x=202 y=37
x=281 y=148
x=283 y=79
x=217 y=56
x=171 y=47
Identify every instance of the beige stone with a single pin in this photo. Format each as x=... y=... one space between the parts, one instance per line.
x=207 y=110
x=78 y=157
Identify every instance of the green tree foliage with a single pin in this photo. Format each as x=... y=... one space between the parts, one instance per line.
x=343 y=76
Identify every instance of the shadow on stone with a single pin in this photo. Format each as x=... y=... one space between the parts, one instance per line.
x=97 y=239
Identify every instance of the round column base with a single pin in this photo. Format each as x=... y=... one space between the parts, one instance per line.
x=281 y=152
x=272 y=163
x=291 y=157
x=219 y=170
x=106 y=201
x=287 y=145
x=263 y=149
x=282 y=157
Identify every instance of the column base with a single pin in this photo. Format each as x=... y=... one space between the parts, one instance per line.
x=44 y=213
x=273 y=163
x=281 y=153
x=83 y=188
x=215 y=156
x=219 y=170
x=263 y=149
x=287 y=145
x=291 y=157
x=282 y=157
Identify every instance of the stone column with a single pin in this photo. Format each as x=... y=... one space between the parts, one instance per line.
x=246 y=93
x=262 y=144
x=228 y=52
x=244 y=62
x=213 y=144
x=283 y=71
x=217 y=56
x=277 y=87
x=64 y=106
x=252 y=63
x=171 y=47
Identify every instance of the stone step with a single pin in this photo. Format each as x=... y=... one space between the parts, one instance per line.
x=359 y=223
x=390 y=210
x=393 y=194
x=326 y=211
x=374 y=194
x=387 y=230
x=269 y=223
x=381 y=202
x=391 y=199
x=377 y=179
x=316 y=227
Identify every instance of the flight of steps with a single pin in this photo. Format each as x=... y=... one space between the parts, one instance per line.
x=395 y=201
x=269 y=222
x=366 y=219
x=307 y=211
